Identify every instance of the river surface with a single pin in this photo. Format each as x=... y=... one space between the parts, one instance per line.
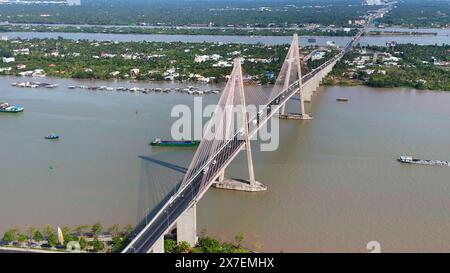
x=334 y=182
x=442 y=38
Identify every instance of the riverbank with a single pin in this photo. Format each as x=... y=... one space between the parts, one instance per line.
x=419 y=67
x=226 y=31
x=217 y=31
x=85 y=238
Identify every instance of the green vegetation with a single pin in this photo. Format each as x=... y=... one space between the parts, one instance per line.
x=96 y=229
x=46 y=238
x=208 y=62
x=419 y=13
x=10 y=235
x=37 y=236
x=406 y=65
x=206 y=244
x=260 y=13
x=114 y=240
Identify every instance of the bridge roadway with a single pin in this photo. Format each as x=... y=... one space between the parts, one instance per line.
x=199 y=184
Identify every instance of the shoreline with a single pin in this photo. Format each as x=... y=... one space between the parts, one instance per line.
x=179 y=85
x=179 y=31
x=195 y=27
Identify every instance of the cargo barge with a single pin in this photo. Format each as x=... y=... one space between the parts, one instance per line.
x=174 y=143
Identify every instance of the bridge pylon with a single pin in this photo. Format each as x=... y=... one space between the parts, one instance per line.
x=251 y=185
x=290 y=73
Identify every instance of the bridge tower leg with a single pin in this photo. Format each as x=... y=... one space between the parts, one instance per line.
x=286 y=81
x=231 y=184
x=294 y=57
x=187 y=226
x=248 y=147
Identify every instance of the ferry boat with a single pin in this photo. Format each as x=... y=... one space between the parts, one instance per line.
x=173 y=143
x=6 y=108
x=411 y=160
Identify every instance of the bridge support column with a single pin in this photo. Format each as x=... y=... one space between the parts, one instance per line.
x=222 y=176
x=317 y=82
x=187 y=226
x=159 y=246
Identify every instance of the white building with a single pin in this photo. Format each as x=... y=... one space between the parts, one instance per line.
x=74 y=2
x=9 y=59
x=22 y=51
x=317 y=55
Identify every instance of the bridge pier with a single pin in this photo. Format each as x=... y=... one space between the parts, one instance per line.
x=187 y=226
x=238 y=184
x=158 y=247
x=307 y=89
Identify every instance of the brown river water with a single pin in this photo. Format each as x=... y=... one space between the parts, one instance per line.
x=334 y=182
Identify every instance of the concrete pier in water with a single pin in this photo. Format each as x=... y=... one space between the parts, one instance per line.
x=295 y=116
x=239 y=185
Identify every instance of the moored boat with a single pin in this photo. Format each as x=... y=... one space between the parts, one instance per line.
x=7 y=108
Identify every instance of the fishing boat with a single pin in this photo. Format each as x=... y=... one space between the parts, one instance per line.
x=174 y=143
x=52 y=136
x=7 y=108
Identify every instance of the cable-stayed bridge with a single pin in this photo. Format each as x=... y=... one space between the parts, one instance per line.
x=225 y=136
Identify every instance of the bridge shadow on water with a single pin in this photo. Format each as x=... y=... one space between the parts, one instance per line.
x=159 y=180
x=169 y=165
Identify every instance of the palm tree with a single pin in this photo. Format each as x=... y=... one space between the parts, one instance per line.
x=128 y=229
x=81 y=230
x=114 y=230
x=47 y=231
x=30 y=232
x=96 y=229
